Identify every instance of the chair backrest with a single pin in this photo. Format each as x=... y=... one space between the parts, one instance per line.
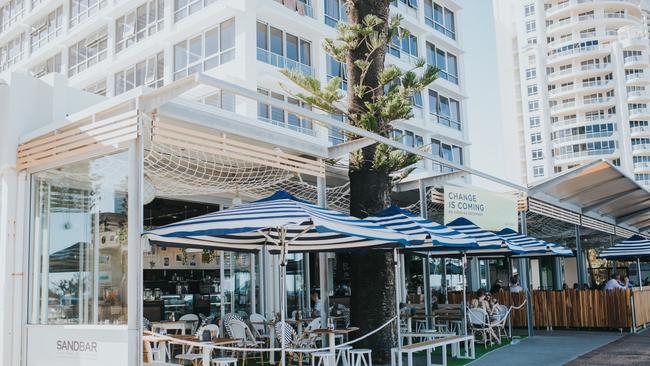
x=226 y=322
x=289 y=334
x=238 y=329
x=256 y=322
x=476 y=316
x=502 y=312
x=189 y=318
x=314 y=324
x=212 y=328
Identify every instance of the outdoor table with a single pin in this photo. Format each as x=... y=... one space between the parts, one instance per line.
x=159 y=342
x=299 y=323
x=205 y=349
x=410 y=318
x=333 y=332
x=181 y=326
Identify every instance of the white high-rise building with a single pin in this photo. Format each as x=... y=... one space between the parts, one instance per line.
x=111 y=46
x=582 y=70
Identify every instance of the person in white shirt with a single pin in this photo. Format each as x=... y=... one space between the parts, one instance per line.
x=514 y=285
x=615 y=282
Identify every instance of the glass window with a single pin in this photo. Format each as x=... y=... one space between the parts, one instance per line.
x=139 y=24
x=46 y=29
x=81 y=10
x=148 y=72
x=440 y=18
x=337 y=69
x=79 y=242
x=445 y=109
x=205 y=51
x=335 y=12
x=184 y=8
x=87 y=52
x=445 y=61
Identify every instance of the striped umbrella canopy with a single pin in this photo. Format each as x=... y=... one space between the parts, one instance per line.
x=424 y=234
x=534 y=247
x=283 y=223
x=489 y=242
x=633 y=247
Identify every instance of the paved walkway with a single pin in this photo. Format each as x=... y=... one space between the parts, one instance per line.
x=631 y=350
x=548 y=348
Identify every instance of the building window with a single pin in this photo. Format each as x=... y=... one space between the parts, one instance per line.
x=405 y=42
x=534 y=121
x=12 y=52
x=221 y=99
x=440 y=18
x=184 y=8
x=337 y=69
x=446 y=110
x=335 y=12
x=148 y=72
x=280 y=117
x=81 y=10
x=335 y=135
x=448 y=152
x=46 y=29
x=205 y=51
x=536 y=138
x=139 y=24
x=284 y=50
x=531 y=40
x=10 y=13
x=532 y=90
x=531 y=73
x=557 y=169
x=533 y=105
x=87 y=52
x=531 y=26
x=79 y=225
x=538 y=171
x=52 y=64
x=98 y=87
x=537 y=154
x=445 y=61
x=529 y=9
x=411 y=3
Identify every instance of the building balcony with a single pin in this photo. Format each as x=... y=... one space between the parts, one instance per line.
x=580 y=88
x=638 y=96
x=642 y=167
x=582 y=36
x=584 y=155
x=588 y=51
x=576 y=5
x=643 y=182
x=590 y=20
x=583 y=137
x=641 y=149
x=573 y=122
x=636 y=61
x=283 y=62
x=639 y=114
x=575 y=106
x=636 y=79
x=640 y=131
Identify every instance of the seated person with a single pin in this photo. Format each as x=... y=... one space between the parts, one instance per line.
x=497 y=287
x=514 y=285
x=615 y=282
x=316 y=308
x=481 y=301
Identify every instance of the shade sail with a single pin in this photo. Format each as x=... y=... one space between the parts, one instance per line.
x=534 y=247
x=424 y=234
x=633 y=247
x=280 y=219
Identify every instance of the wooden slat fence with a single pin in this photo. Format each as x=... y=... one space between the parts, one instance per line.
x=642 y=306
x=576 y=308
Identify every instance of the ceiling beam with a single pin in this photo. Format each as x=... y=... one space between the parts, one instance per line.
x=596 y=186
x=632 y=215
x=602 y=202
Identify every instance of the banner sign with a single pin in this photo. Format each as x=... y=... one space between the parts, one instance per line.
x=60 y=345
x=489 y=210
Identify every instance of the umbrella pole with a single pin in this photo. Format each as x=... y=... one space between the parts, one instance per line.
x=398 y=283
x=638 y=269
x=283 y=271
x=464 y=294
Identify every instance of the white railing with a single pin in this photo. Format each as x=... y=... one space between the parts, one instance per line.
x=638 y=93
x=283 y=62
x=597 y=84
x=589 y=17
x=635 y=58
x=560 y=90
x=578 y=50
x=636 y=111
x=642 y=165
x=584 y=121
x=559 y=107
x=636 y=75
x=590 y=101
x=599 y=66
x=284 y=124
x=582 y=154
x=639 y=129
x=638 y=147
x=296 y=7
x=643 y=182
x=560 y=73
x=591 y=135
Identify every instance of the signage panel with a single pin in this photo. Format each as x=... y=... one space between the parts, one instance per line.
x=488 y=210
x=62 y=345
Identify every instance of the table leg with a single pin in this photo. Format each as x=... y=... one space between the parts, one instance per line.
x=331 y=344
x=272 y=345
x=206 y=356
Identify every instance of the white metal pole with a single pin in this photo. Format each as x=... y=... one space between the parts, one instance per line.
x=638 y=269
x=398 y=284
x=463 y=265
x=283 y=271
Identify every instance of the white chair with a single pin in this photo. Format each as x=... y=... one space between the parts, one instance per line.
x=241 y=332
x=479 y=324
x=291 y=339
x=224 y=361
x=226 y=322
x=501 y=319
x=343 y=356
x=190 y=318
x=361 y=357
x=322 y=359
x=258 y=326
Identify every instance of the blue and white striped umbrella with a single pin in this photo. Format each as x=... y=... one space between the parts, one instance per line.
x=635 y=246
x=534 y=247
x=489 y=243
x=424 y=234
x=277 y=221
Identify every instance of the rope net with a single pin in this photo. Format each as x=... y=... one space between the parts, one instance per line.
x=179 y=170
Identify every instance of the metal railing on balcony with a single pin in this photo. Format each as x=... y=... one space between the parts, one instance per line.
x=636 y=75
x=635 y=58
x=283 y=62
x=578 y=50
x=582 y=154
x=645 y=165
x=639 y=147
x=640 y=129
x=638 y=94
x=638 y=111
x=591 y=135
x=300 y=7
